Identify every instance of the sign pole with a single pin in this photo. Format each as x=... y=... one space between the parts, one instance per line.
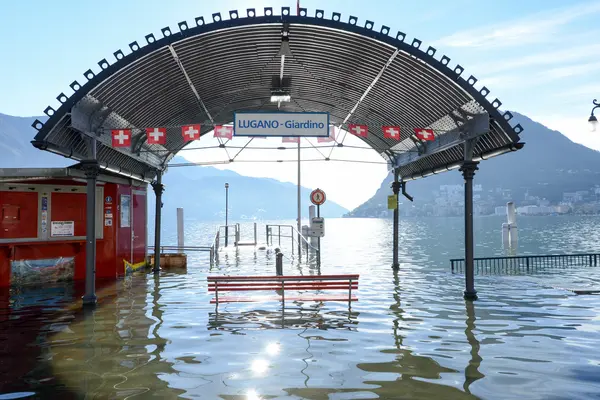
x=319 y=239
x=299 y=209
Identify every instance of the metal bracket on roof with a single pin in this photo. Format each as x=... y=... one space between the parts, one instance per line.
x=88 y=116
x=469 y=148
x=93 y=119
x=473 y=128
x=138 y=143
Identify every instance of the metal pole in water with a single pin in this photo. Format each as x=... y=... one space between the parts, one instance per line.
x=278 y=263
x=396 y=191
x=180 y=237
x=319 y=239
x=158 y=191
x=92 y=170
x=226 y=214
x=468 y=170
x=299 y=208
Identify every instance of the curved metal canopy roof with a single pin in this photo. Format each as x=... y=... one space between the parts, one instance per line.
x=205 y=72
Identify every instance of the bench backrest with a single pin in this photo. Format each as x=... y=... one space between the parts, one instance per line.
x=255 y=283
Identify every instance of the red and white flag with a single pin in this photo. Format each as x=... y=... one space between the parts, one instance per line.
x=223 y=131
x=156 y=135
x=190 y=132
x=121 y=137
x=330 y=138
x=290 y=139
x=358 y=130
x=391 y=132
x=425 y=134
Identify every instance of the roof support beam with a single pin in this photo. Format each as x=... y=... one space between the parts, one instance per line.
x=473 y=128
x=366 y=92
x=198 y=98
x=189 y=81
x=91 y=117
x=371 y=86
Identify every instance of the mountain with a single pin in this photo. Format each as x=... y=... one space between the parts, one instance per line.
x=199 y=190
x=16 y=150
x=549 y=165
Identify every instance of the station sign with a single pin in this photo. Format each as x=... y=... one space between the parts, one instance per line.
x=281 y=124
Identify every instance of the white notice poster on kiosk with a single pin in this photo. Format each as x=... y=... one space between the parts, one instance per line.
x=125 y=211
x=62 y=228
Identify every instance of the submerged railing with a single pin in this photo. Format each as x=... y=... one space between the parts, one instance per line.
x=525 y=264
x=274 y=232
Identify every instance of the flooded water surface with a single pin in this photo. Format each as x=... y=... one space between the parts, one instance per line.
x=410 y=335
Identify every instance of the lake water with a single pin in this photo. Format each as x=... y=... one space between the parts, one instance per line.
x=410 y=335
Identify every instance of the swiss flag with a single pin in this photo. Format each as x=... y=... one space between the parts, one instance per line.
x=121 y=137
x=222 y=131
x=290 y=139
x=425 y=134
x=190 y=132
x=358 y=130
x=330 y=138
x=156 y=135
x=391 y=132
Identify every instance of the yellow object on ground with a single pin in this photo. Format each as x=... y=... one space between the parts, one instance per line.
x=131 y=268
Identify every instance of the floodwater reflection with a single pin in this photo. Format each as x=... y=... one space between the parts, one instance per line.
x=410 y=335
x=288 y=317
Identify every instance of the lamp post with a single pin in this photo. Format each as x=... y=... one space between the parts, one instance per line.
x=226 y=214
x=593 y=120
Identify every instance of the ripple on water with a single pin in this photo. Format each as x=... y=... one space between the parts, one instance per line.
x=410 y=334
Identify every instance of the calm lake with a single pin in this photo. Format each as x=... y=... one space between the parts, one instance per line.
x=410 y=335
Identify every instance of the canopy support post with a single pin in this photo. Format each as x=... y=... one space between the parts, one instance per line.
x=299 y=209
x=159 y=188
x=468 y=169
x=396 y=190
x=91 y=168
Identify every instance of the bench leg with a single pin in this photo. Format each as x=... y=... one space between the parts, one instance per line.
x=350 y=291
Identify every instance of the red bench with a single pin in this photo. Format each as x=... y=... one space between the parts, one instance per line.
x=281 y=284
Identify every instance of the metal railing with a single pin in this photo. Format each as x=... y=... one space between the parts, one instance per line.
x=183 y=249
x=228 y=232
x=525 y=264
x=179 y=249
x=274 y=231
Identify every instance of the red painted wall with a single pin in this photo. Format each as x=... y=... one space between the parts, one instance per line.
x=111 y=250
x=69 y=207
x=140 y=219
x=123 y=240
x=106 y=262
x=18 y=215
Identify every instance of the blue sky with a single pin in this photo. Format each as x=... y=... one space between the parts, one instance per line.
x=539 y=57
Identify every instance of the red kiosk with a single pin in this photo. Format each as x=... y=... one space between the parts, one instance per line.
x=43 y=224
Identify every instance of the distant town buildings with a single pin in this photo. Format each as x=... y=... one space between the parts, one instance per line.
x=449 y=201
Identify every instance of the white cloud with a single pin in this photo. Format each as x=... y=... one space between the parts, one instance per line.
x=554 y=57
x=534 y=28
x=587 y=90
x=571 y=70
x=541 y=77
x=575 y=128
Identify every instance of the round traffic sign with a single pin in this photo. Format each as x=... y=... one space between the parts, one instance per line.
x=317 y=197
